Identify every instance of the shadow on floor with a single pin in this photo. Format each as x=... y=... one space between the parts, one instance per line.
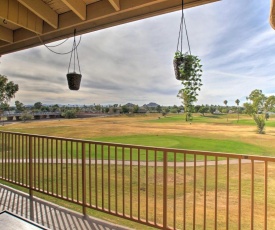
x=47 y=214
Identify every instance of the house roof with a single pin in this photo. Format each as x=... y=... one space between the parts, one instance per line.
x=29 y=23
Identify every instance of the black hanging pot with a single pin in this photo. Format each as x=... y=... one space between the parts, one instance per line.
x=183 y=62
x=183 y=65
x=74 y=80
x=177 y=63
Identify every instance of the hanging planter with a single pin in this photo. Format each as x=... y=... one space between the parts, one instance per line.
x=74 y=78
x=186 y=65
x=183 y=66
x=188 y=70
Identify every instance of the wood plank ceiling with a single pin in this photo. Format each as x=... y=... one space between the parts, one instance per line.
x=24 y=23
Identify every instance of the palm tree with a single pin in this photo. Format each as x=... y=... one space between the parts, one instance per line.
x=238 y=102
x=225 y=102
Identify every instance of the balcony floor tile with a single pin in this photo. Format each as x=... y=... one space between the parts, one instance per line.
x=48 y=214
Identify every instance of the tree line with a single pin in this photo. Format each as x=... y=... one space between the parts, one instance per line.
x=258 y=105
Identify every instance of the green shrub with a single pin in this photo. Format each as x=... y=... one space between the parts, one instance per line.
x=25 y=116
x=69 y=114
x=260 y=121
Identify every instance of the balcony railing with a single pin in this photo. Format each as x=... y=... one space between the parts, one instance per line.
x=160 y=187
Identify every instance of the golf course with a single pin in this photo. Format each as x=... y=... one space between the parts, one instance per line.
x=216 y=133
x=222 y=133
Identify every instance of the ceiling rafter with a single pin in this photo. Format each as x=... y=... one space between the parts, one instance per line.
x=13 y=11
x=6 y=34
x=78 y=7
x=42 y=10
x=99 y=15
x=115 y=4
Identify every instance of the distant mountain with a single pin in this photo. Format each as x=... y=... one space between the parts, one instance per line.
x=130 y=105
x=151 y=105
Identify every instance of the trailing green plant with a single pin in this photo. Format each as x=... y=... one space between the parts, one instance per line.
x=191 y=81
x=186 y=65
x=188 y=70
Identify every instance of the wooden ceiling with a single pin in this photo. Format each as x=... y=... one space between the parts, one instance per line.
x=25 y=23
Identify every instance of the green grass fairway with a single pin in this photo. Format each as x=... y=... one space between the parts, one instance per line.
x=213 y=119
x=217 y=133
x=185 y=142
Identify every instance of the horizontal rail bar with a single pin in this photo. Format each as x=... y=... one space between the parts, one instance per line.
x=179 y=151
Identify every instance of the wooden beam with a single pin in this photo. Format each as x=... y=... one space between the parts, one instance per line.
x=2 y=43
x=115 y=4
x=42 y=10
x=6 y=34
x=100 y=15
x=19 y=15
x=78 y=7
x=272 y=14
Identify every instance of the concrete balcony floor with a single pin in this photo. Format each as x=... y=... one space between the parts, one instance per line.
x=48 y=214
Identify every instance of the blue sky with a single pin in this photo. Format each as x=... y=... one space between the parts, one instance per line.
x=133 y=62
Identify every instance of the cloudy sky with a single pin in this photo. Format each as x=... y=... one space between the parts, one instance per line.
x=133 y=62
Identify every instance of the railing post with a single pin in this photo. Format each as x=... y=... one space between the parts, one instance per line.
x=30 y=167
x=165 y=190
x=2 y=154
x=83 y=179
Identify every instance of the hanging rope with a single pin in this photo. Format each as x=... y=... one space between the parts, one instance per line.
x=59 y=53
x=180 y=37
x=59 y=43
x=75 y=54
